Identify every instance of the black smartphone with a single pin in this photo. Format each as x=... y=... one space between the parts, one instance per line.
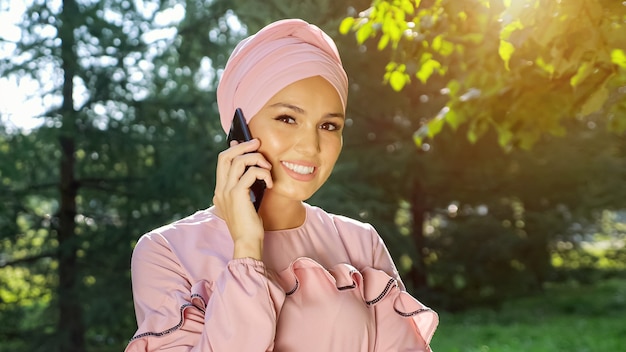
x=240 y=132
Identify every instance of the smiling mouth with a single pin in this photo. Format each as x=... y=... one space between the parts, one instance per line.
x=299 y=169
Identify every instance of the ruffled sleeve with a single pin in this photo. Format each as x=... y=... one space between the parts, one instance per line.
x=349 y=310
x=235 y=312
x=402 y=322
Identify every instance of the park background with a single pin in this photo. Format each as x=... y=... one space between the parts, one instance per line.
x=484 y=141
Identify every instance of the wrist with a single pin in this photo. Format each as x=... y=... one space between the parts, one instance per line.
x=248 y=249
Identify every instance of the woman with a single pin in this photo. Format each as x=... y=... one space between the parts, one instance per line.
x=290 y=277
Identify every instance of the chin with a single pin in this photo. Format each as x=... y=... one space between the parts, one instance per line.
x=291 y=194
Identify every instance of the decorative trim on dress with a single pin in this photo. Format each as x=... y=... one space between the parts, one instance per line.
x=410 y=314
x=177 y=326
x=391 y=283
x=294 y=289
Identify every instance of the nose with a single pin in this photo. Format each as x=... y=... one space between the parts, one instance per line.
x=307 y=141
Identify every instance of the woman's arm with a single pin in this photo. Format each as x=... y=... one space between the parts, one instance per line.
x=235 y=312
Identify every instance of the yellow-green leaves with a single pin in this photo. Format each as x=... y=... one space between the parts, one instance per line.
x=409 y=6
x=506 y=51
x=396 y=76
x=506 y=48
x=387 y=17
x=364 y=32
x=546 y=66
x=618 y=57
x=442 y=46
x=436 y=124
x=584 y=70
x=346 y=25
x=505 y=136
x=397 y=80
x=477 y=128
x=382 y=43
x=432 y=127
x=362 y=28
x=536 y=64
x=390 y=20
x=428 y=67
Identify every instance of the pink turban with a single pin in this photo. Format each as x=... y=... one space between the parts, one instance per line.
x=281 y=53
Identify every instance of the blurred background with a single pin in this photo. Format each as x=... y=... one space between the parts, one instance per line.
x=484 y=141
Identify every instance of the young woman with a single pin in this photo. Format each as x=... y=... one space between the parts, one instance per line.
x=291 y=277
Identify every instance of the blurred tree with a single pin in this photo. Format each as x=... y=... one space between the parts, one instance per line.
x=27 y=274
x=495 y=219
x=519 y=67
x=128 y=143
x=488 y=65
x=546 y=191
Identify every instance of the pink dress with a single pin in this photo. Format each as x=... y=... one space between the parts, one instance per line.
x=328 y=285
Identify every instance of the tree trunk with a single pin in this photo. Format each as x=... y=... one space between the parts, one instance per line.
x=418 y=213
x=70 y=324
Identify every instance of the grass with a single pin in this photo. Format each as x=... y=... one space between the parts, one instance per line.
x=565 y=318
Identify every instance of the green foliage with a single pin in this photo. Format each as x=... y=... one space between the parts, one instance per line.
x=477 y=261
x=519 y=67
x=566 y=317
x=603 y=249
x=495 y=219
x=534 y=199
x=145 y=136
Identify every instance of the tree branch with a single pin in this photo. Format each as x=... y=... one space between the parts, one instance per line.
x=25 y=260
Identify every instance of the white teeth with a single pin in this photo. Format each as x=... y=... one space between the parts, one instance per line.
x=301 y=169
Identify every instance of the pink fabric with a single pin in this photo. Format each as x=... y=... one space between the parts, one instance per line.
x=329 y=285
x=281 y=53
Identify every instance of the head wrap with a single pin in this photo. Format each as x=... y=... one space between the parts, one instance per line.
x=278 y=55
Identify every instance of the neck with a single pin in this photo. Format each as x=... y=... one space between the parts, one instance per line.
x=281 y=214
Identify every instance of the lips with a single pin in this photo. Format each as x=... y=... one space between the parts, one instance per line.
x=299 y=168
x=299 y=171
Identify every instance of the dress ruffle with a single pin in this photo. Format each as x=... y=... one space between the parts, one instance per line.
x=304 y=276
x=190 y=311
x=375 y=287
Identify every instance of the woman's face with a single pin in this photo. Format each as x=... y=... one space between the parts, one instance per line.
x=300 y=129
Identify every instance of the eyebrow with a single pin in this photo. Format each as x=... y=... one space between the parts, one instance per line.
x=301 y=111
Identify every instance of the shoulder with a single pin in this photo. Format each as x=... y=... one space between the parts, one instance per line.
x=182 y=232
x=360 y=239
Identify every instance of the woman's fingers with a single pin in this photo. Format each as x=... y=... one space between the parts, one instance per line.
x=239 y=164
x=226 y=157
x=255 y=173
x=238 y=168
x=237 y=148
x=250 y=159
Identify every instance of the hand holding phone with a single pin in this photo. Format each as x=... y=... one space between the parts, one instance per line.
x=240 y=132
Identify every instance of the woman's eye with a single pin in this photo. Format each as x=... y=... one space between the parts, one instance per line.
x=330 y=126
x=285 y=119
